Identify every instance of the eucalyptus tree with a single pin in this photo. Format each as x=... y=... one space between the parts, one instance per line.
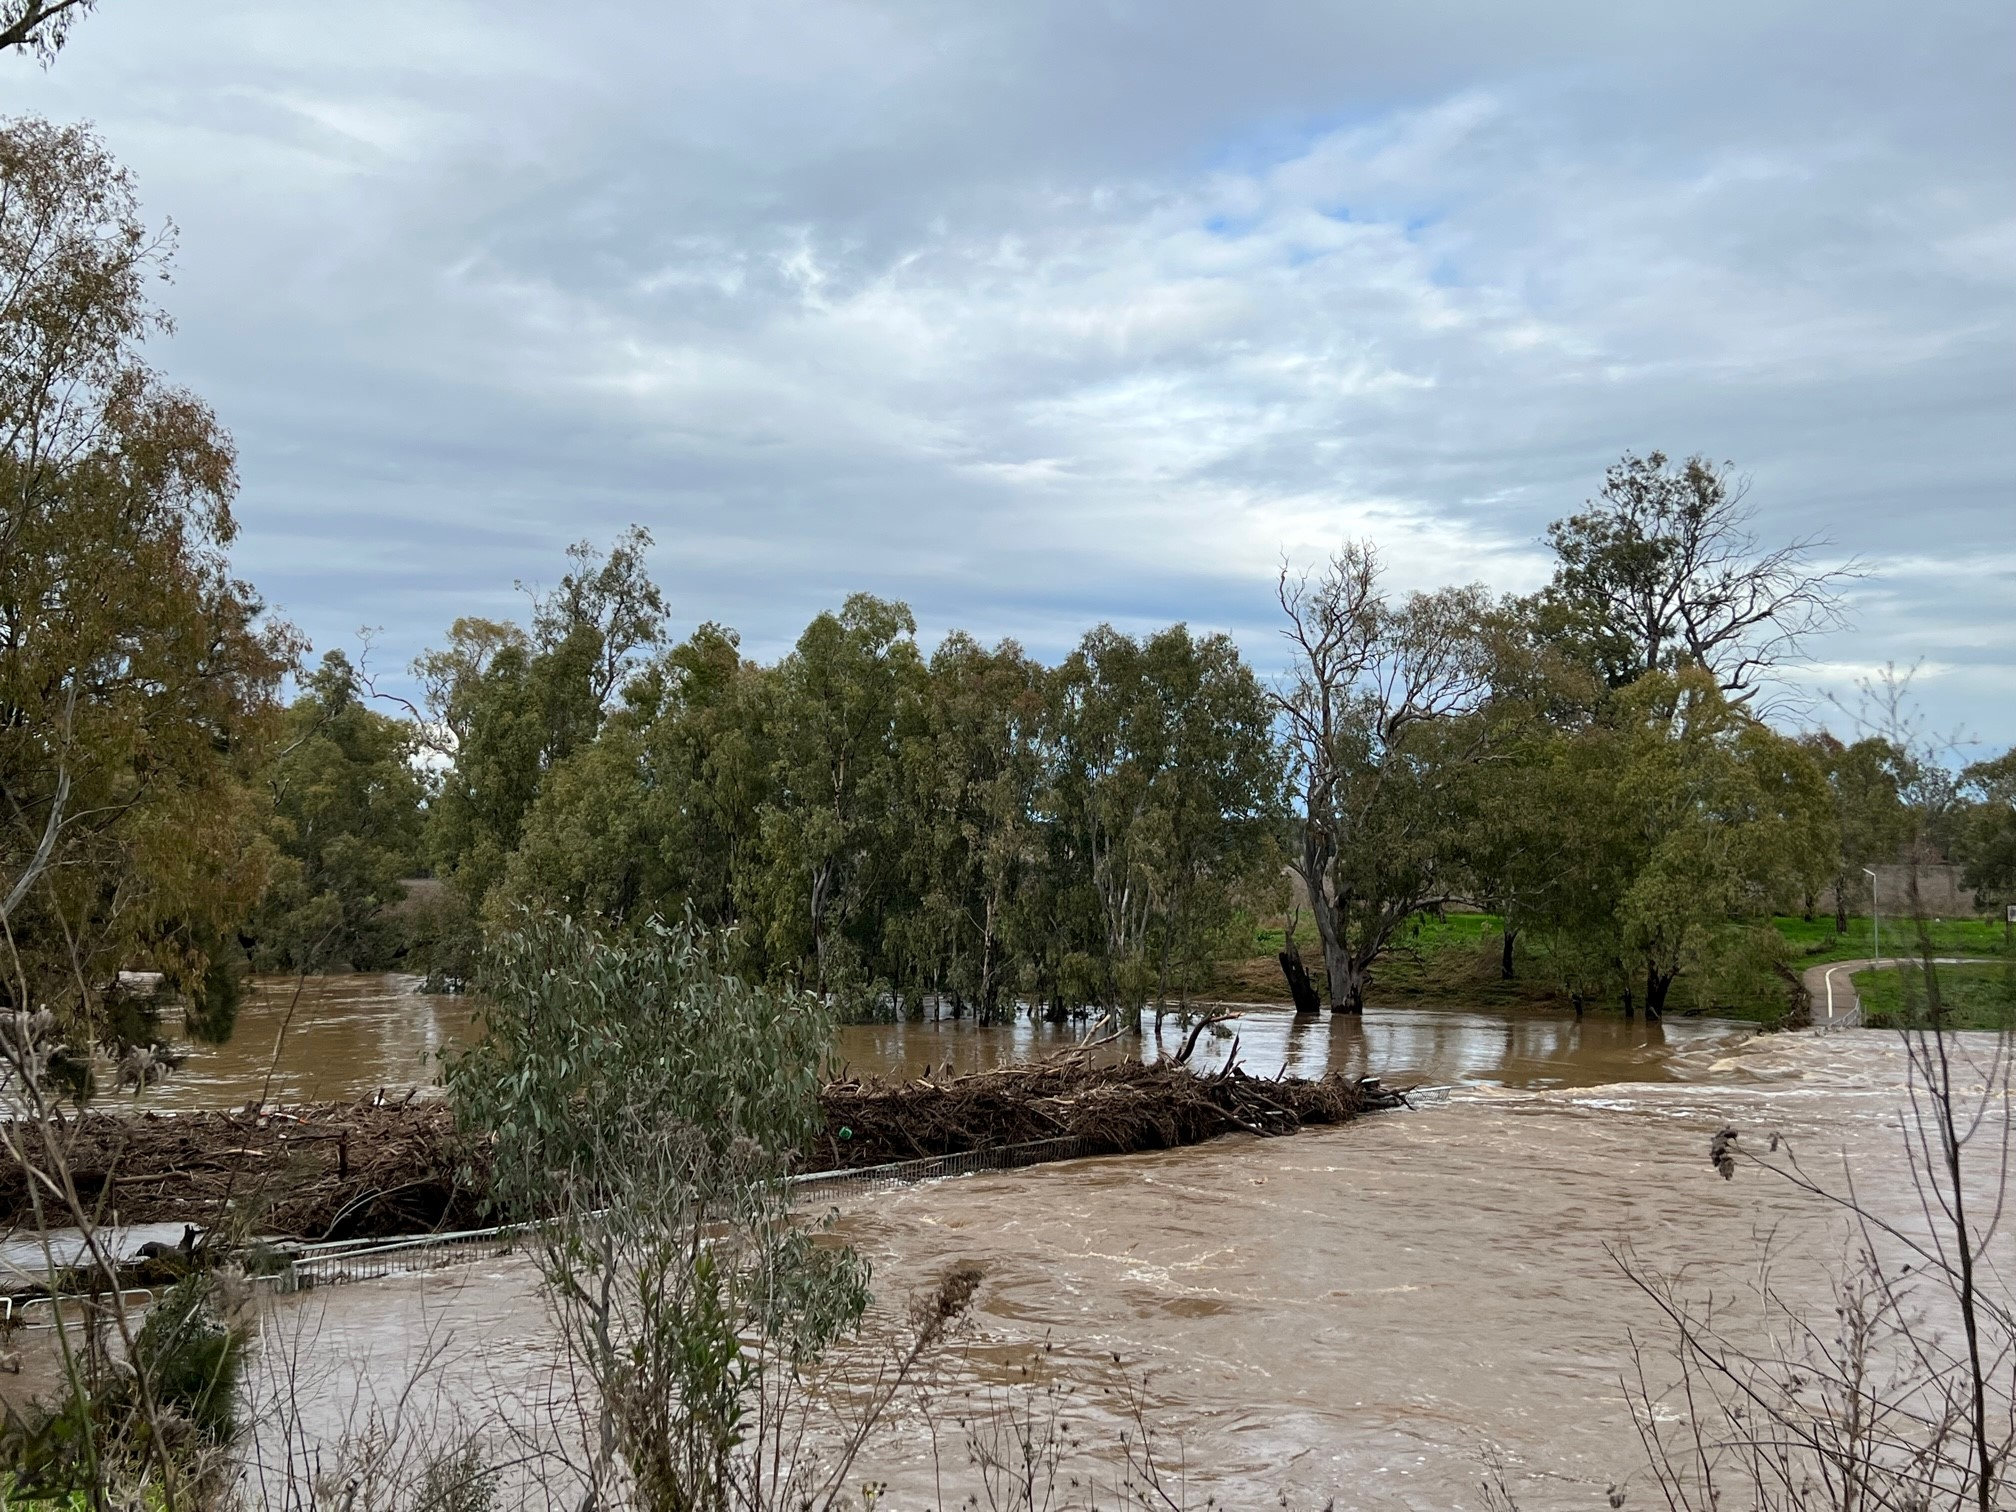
x=658 y=814
x=139 y=680
x=1866 y=782
x=1705 y=818
x=509 y=706
x=524 y=715
x=1987 y=846
x=1214 y=802
x=973 y=772
x=1662 y=570
x=840 y=707
x=345 y=823
x=610 y=593
x=1105 y=749
x=1379 y=713
x=40 y=27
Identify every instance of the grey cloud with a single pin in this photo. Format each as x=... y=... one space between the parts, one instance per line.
x=1042 y=314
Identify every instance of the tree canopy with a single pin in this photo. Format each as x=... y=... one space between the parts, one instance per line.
x=139 y=679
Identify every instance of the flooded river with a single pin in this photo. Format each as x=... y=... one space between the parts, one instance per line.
x=347 y=1036
x=1356 y=1315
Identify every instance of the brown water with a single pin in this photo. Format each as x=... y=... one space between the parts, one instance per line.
x=1357 y=1313
x=342 y=1037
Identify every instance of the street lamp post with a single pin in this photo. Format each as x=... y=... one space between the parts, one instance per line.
x=1875 y=912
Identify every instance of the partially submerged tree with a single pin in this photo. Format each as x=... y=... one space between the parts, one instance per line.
x=345 y=826
x=842 y=703
x=1713 y=818
x=1162 y=782
x=1375 y=709
x=139 y=679
x=1662 y=571
x=972 y=776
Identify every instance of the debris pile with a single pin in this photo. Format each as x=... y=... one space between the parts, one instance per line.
x=372 y=1169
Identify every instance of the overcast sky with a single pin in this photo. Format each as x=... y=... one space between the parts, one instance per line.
x=1036 y=315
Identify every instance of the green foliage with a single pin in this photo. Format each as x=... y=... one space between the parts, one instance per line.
x=138 y=682
x=1987 y=844
x=192 y=1358
x=1662 y=573
x=1657 y=841
x=642 y=1102
x=881 y=829
x=1386 y=718
x=345 y=823
x=842 y=704
x=512 y=708
x=109 y=1430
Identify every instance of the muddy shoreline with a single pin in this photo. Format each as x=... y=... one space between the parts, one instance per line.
x=375 y=1168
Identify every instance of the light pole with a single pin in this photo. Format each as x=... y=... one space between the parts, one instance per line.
x=1875 y=912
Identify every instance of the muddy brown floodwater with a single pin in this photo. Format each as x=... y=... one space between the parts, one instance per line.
x=346 y=1036
x=1359 y=1313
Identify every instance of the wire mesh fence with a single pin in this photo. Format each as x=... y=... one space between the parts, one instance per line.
x=296 y=1267
x=339 y=1261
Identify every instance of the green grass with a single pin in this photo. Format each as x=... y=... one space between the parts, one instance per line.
x=1455 y=960
x=1426 y=934
x=1975 y=997
x=1814 y=942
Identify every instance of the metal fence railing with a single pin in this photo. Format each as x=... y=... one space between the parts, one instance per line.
x=334 y=1262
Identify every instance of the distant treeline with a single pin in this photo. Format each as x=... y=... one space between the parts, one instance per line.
x=971 y=826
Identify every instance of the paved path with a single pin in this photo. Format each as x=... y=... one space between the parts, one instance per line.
x=1831 y=988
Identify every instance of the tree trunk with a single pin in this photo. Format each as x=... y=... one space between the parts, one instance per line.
x=1505 y=956
x=1353 y=995
x=1657 y=985
x=1630 y=1008
x=1347 y=991
x=1841 y=904
x=1347 y=988
x=1299 y=986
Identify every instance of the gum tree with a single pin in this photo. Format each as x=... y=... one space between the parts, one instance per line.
x=1377 y=710
x=139 y=679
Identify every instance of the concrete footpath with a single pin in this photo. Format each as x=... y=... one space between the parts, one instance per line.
x=1831 y=988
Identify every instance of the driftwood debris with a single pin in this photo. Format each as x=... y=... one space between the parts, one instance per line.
x=376 y=1168
x=1109 y=1109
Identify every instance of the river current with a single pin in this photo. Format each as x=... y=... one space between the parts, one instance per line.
x=1360 y=1315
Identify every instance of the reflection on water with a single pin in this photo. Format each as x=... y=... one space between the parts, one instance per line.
x=322 y=1039
x=346 y=1036
x=1431 y=1045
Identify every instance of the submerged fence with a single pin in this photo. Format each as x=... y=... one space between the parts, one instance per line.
x=296 y=1267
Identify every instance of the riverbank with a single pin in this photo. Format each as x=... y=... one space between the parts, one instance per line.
x=1460 y=960
x=1973 y=995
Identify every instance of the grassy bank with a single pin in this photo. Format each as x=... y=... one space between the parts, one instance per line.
x=1457 y=961
x=1975 y=997
x=1814 y=942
